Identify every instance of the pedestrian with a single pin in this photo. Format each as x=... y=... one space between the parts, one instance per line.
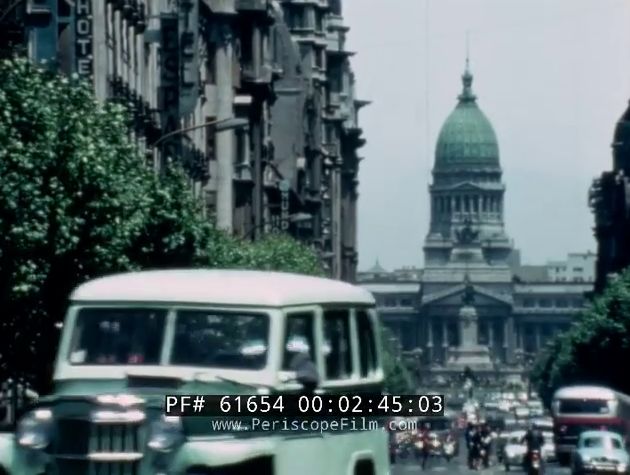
x=426 y=446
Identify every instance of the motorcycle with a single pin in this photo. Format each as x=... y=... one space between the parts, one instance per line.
x=478 y=460
x=435 y=447
x=449 y=450
x=418 y=446
x=535 y=463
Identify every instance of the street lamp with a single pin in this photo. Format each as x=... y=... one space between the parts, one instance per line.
x=292 y=218
x=220 y=124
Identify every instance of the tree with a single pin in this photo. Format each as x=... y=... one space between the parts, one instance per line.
x=77 y=202
x=397 y=377
x=593 y=351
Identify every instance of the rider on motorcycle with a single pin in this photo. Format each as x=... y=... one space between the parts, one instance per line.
x=474 y=447
x=535 y=441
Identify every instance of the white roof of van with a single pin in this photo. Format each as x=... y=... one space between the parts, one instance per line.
x=220 y=287
x=590 y=392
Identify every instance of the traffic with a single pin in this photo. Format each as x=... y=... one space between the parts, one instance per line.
x=585 y=431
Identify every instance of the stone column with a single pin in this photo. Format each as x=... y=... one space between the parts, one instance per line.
x=491 y=336
x=479 y=207
x=538 y=334
x=510 y=337
x=225 y=138
x=444 y=341
x=430 y=339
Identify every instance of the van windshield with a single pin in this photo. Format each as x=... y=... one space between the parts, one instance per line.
x=136 y=336
x=209 y=338
x=115 y=336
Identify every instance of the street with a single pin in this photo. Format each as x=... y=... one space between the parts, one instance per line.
x=456 y=466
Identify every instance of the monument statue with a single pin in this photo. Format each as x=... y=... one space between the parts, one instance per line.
x=469 y=353
x=468 y=298
x=466 y=235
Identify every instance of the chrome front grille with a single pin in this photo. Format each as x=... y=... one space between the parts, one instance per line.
x=84 y=447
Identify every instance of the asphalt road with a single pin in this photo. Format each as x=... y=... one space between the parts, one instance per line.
x=457 y=466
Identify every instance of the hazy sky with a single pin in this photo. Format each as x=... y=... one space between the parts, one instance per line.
x=553 y=77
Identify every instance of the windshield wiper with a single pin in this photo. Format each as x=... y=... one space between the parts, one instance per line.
x=239 y=383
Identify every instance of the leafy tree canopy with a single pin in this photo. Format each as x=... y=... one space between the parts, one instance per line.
x=397 y=377
x=592 y=351
x=77 y=202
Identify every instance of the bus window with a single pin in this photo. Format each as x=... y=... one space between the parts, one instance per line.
x=583 y=406
x=337 y=348
x=367 y=344
x=298 y=337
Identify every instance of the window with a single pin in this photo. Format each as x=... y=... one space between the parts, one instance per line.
x=221 y=339
x=319 y=20
x=583 y=406
x=593 y=442
x=390 y=302
x=298 y=337
x=544 y=303
x=337 y=349
x=562 y=303
x=211 y=67
x=578 y=269
x=528 y=303
x=406 y=303
x=113 y=336
x=367 y=344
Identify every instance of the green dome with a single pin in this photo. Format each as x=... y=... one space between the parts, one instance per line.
x=467 y=139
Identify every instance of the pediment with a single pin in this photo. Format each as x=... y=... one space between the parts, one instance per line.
x=453 y=297
x=467 y=186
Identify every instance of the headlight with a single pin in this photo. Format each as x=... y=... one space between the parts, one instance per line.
x=166 y=434
x=622 y=467
x=33 y=431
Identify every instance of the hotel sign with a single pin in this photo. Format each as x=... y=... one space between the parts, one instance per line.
x=84 y=38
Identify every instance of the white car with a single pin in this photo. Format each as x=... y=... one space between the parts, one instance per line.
x=514 y=450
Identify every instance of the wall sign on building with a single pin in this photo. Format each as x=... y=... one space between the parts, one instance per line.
x=84 y=38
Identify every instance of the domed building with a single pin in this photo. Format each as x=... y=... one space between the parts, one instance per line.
x=467 y=242
x=474 y=305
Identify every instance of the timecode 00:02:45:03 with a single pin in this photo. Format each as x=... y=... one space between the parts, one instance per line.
x=306 y=405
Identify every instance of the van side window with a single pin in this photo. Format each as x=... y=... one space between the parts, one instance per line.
x=337 y=350
x=367 y=343
x=299 y=337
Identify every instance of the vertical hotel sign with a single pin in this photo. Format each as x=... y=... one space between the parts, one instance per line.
x=84 y=38
x=169 y=89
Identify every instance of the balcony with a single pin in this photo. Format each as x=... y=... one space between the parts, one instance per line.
x=251 y=5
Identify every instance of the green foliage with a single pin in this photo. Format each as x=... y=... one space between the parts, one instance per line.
x=76 y=202
x=279 y=252
x=594 y=350
x=397 y=377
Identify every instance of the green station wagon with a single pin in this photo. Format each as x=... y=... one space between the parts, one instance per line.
x=130 y=339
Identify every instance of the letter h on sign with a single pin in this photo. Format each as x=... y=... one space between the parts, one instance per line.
x=83 y=37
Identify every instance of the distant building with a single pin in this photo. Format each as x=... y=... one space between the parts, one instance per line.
x=579 y=267
x=255 y=98
x=468 y=254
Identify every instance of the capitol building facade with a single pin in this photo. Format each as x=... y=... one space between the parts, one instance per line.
x=471 y=265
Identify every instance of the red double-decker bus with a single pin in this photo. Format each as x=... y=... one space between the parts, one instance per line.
x=579 y=408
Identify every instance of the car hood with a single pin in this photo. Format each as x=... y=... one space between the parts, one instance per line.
x=610 y=454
